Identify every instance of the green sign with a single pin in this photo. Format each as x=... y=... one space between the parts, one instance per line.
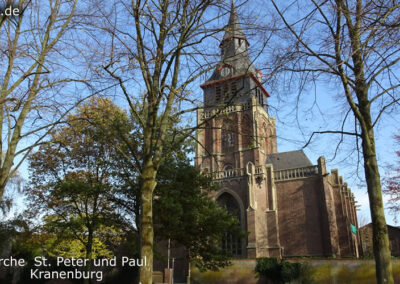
x=353 y=229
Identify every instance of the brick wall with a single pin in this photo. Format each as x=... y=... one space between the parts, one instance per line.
x=300 y=216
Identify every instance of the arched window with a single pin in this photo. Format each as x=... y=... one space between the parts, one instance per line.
x=246 y=132
x=227 y=139
x=228 y=170
x=229 y=242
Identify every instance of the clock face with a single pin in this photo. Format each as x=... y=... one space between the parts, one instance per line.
x=226 y=71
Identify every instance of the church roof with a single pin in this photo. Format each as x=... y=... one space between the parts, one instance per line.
x=288 y=160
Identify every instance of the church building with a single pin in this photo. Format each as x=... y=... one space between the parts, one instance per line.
x=289 y=205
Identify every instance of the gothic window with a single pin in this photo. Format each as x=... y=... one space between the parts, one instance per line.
x=227 y=139
x=246 y=132
x=231 y=243
x=228 y=134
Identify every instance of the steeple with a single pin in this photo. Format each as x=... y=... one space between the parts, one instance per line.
x=234 y=51
x=234 y=43
x=234 y=69
x=233 y=29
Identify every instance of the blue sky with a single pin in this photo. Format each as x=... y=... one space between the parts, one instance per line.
x=291 y=138
x=325 y=112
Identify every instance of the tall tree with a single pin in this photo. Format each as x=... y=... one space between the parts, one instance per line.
x=164 y=50
x=355 y=44
x=73 y=177
x=36 y=54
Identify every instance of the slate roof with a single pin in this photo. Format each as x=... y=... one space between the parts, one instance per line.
x=288 y=160
x=240 y=61
x=233 y=29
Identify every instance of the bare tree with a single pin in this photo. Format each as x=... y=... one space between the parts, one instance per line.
x=39 y=62
x=356 y=45
x=155 y=63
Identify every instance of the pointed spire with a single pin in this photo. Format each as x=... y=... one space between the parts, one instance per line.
x=234 y=51
x=233 y=29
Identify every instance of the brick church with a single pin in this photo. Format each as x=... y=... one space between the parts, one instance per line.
x=288 y=205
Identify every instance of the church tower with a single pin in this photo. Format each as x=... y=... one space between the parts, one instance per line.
x=235 y=135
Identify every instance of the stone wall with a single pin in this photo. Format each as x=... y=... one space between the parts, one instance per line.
x=321 y=271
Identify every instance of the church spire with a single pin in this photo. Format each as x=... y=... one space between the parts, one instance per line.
x=234 y=43
x=233 y=29
x=235 y=59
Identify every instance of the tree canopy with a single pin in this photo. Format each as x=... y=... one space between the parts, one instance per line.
x=184 y=213
x=73 y=181
x=36 y=76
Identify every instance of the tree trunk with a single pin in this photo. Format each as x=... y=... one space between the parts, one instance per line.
x=89 y=248
x=382 y=253
x=146 y=233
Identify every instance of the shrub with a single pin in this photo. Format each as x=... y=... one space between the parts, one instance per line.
x=278 y=271
x=268 y=267
x=289 y=271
